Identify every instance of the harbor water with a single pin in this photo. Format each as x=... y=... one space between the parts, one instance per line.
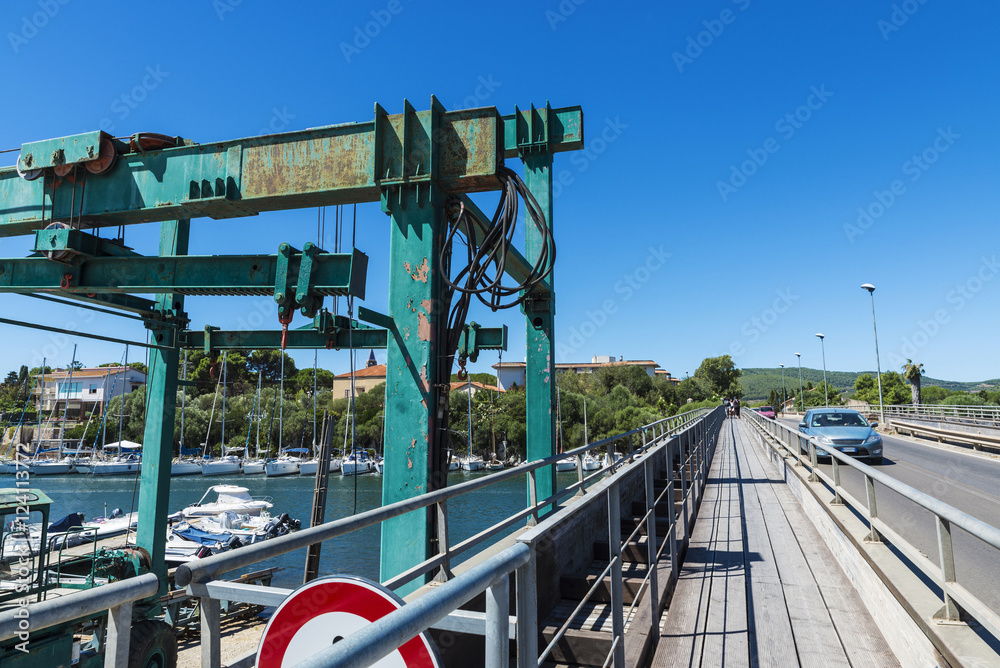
x=356 y=553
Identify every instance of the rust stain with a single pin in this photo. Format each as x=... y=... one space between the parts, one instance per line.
x=423 y=379
x=420 y=273
x=427 y=305
x=423 y=327
x=408 y=267
x=409 y=463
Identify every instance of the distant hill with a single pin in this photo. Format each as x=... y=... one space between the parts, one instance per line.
x=757 y=383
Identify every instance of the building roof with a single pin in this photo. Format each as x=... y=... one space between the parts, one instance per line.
x=90 y=372
x=578 y=365
x=481 y=386
x=377 y=371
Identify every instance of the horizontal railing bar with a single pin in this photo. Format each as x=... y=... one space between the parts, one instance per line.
x=239 y=592
x=370 y=644
x=78 y=604
x=471 y=622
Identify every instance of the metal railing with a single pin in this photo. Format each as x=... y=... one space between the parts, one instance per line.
x=955 y=597
x=991 y=413
x=201 y=576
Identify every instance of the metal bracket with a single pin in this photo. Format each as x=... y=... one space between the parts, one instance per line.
x=475 y=338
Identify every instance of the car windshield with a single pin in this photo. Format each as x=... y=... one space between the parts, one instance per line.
x=766 y=408
x=838 y=420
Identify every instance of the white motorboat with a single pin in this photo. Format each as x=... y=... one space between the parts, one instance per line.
x=283 y=465
x=309 y=467
x=453 y=465
x=253 y=467
x=335 y=464
x=228 y=465
x=471 y=463
x=230 y=497
x=608 y=460
x=494 y=465
x=357 y=463
x=379 y=466
x=185 y=467
x=591 y=463
x=566 y=464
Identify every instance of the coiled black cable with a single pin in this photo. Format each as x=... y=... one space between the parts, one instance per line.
x=482 y=275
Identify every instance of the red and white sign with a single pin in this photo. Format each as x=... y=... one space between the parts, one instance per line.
x=326 y=610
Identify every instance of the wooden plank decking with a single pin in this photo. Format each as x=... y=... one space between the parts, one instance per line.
x=758 y=586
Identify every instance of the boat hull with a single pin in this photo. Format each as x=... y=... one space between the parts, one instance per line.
x=115 y=468
x=279 y=468
x=253 y=468
x=221 y=468
x=185 y=468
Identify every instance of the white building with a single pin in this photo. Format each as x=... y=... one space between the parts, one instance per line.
x=85 y=389
x=513 y=373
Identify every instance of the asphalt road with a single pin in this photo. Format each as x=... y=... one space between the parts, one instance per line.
x=969 y=482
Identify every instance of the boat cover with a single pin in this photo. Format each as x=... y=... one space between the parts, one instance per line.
x=66 y=523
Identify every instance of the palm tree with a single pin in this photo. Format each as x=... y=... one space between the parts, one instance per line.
x=912 y=372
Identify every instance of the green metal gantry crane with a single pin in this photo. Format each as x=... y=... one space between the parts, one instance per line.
x=417 y=164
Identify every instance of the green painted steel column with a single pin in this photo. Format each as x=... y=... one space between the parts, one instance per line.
x=540 y=372
x=414 y=368
x=161 y=404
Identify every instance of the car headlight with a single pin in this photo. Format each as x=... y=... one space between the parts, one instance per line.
x=824 y=440
x=874 y=438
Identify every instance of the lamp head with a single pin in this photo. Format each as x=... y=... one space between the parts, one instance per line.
x=869 y=287
x=782 y=366
x=798 y=355
x=821 y=336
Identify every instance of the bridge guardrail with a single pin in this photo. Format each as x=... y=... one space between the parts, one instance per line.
x=955 y=597
x=991 y=413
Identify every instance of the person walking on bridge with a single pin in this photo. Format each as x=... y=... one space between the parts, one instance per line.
x=736 y=407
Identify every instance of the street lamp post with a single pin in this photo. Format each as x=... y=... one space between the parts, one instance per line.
x=782 y=387
x=826 y=388
x=878 y=365
x=802 y=396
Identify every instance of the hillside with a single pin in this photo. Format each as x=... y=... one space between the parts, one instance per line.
x=757 y=383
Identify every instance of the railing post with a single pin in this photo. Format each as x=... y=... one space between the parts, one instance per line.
x=527 y=614
x=682 y=461
x=532 y=498
x=651 y=560
x=873 y=536
x=498 y=623
x=837 y=500
x=119 y=634
x=615 y=550
x=444 y=572
x=950 y=611
x=814 y=462
x=579 y=474
x=211 y=641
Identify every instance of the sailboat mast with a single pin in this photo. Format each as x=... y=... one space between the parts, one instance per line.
x=69 y=388
x=222 y=440
x=121 y=408
x=180 y=446
x=41 y=398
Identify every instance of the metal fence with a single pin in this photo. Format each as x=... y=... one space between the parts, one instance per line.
x=683 y=435
x=955 y=597
x=990 y=413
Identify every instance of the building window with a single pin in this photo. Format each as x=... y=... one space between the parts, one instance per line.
x=93 y=389
x=69 y=388
x=361 y=390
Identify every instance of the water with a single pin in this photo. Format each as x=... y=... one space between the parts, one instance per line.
x=356 y=553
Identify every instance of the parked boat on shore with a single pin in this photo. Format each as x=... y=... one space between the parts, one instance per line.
x=228 y=497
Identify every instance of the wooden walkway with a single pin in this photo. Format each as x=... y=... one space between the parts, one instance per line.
x=758 y=586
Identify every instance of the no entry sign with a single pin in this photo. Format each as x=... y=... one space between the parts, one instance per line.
x=326 y=610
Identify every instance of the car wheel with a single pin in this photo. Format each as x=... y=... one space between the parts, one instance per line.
x=876 y=461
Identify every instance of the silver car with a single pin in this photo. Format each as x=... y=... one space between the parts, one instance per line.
x=845 y=430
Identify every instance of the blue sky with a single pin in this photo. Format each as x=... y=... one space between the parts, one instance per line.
x=733 y=147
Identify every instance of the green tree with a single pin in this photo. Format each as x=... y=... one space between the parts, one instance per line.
x=894 y=389
x=933 y=394
x=721 y=374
